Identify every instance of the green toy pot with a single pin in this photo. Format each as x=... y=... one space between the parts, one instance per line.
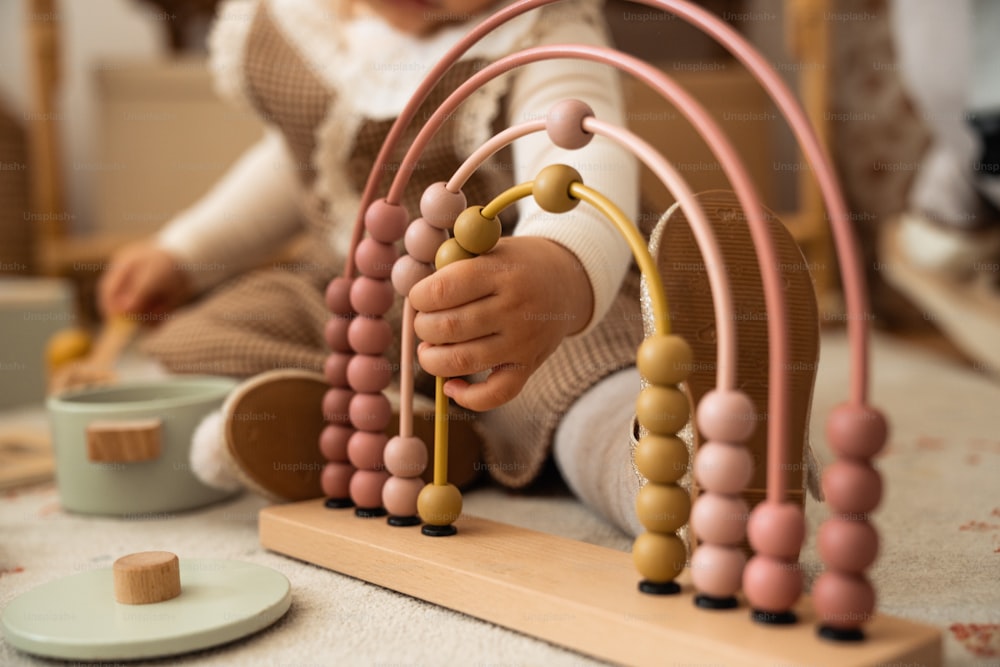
x=123 y=449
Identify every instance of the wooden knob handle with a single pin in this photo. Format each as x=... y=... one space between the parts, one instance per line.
x=147 y=577
x=124 y=441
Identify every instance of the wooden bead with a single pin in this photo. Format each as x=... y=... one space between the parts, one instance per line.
x=399 y=495
x=370 y=412
x=662 y=410
x=551 y=188
x=475 y=232
x=423 y=239
x=366 y=488
x=564 y=124
x=335 y=333
x=406 y=457
x=717 y=570
x=664 y=360
x=338 y=296
x=847 y=546
x=851 y=487
x=450 y=251
x=726 y=416
x=335 y=480
x=146 y=577
x=371 y=297
x=369 y=335
x=662 y=459
x=364 y=450
x=719 y=519
x=439 y=505
x=662 y=508
x=842 y=600
x=386 y=222
x=772 y=585
x=335 y=405
x=723 y=468
x=777 y=530
x=856 y=431
x=374 y=258
x=440 y=206
x=407 y=272
x=659 y=558
x=333 y=442
x=335 y=368
x=368 y=374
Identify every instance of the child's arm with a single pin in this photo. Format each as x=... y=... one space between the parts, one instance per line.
x=508 y=310
x=235 y=226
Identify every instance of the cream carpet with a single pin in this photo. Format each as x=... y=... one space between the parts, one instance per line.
x=940 y=524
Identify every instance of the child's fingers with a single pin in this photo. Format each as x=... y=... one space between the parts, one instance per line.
x=457 y=325
x=500 y=387
x=454 y=285
x=468 y=358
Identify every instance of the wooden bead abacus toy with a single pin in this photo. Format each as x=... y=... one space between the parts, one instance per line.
x=590 y=593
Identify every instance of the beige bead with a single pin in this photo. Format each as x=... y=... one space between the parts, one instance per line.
x=659 y=558
x=551 y=188
x=662 y=410
x=664 y=360
x=661 y=458
x=476 y=233
x=147 y=577
x=439 y=505
x=449 y=252
x=662 y=508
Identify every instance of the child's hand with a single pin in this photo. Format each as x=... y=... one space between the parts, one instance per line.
x=504 y=311
x=142 y=278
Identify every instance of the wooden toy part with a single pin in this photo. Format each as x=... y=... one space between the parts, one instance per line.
x=98 y=366
x=124 y=441
x=147 y=577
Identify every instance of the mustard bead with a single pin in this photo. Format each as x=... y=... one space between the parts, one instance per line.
x=449 y=252
x=475 y=232
x=659 y=558
x=664 y=360
x=551 y=188
x=662 y=459
x=662 y=410
x=439 y=505
x=662 y=508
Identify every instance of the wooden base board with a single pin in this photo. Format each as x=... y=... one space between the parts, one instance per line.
x=570 y=593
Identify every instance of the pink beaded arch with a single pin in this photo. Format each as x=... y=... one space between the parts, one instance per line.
x=843 y=596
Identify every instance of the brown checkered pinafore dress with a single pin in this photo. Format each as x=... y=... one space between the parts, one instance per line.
x=274 y=317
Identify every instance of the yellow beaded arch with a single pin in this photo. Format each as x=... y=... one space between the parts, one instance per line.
x=663 y=360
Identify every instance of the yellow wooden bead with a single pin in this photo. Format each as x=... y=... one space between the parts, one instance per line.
x=476 y=233
x=662 y=508
x=450 y=251
x=661 y=458
x=662 y=410
x=551 y=188
x=664 y=360
x=659 y=558
x=439 y=505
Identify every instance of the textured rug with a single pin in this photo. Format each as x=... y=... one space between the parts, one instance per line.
x=939 y=521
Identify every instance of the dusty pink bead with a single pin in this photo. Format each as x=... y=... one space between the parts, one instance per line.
x=847 y=546
x=777 y=530
x=366 y=488
x=371 y=297
x=439 y=206
x=856 y=431
x=772 y=585
x=719 y=519
x=338 y=296
x=386 y=222
x=851 y=487
x=336 y=479
x=565 y=124
x=717 y=570
x=399 y=495
x=333 y=442
x=364 y=450
x=374 y=258
x=721 y=467
x=335 y=368
x=843 y=601
x=369 y=335
x=335 y=333
x=726 y=416
x=335 y=404
x=406 y=457
x=422 y=240
x=368 y=374
x=370 y=412
x=407 y=272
